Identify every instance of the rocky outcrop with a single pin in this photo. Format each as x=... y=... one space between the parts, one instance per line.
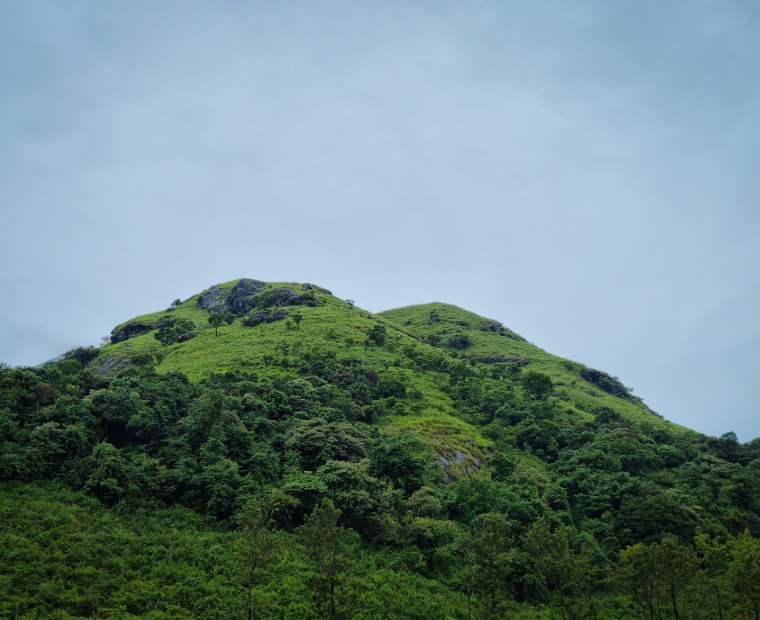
x=213 y=300
x=247 y=295
x=257 y=318
x=244 y=294
x=277 y=297
x=111 y=364
x=603 y=380
x=648 y=410
x=496 y=358
x=186 y=337
x=163 y=321
x=469 y=465
x=498 y=328
x=129 y=330
x=313 y=287
x=246 y=288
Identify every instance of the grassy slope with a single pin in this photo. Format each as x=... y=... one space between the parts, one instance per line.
x=488 y=343
x=334 y=325
x=337 y=326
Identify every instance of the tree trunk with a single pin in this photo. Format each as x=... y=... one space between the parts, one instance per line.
x=469 y=591
x=250 y=589
x=673 y=600
x=332 y=598
x=720 y=603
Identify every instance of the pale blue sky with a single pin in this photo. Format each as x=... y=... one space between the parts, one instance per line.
x=586 y=172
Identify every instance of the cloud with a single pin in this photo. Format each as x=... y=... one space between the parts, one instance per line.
x=585 y=173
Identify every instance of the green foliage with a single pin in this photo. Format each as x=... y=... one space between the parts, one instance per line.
x=216 y=320
x=83 y=355
x=491 y=545
x=171 y=330
x=297 y=318
x=537 y=384
x=459 y=341
x=377 y=335
x=503 y=465
x=258 y=545
x=744 y=573
x=437 y=483
x=326 y=544
x=401 y=459
x=551 y=555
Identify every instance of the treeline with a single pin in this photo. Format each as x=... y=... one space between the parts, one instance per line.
x=64 y=556
x=316 y=514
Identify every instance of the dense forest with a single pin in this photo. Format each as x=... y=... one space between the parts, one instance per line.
x=308 y=480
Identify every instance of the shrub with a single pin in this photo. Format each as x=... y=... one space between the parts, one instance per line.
x=459 y=341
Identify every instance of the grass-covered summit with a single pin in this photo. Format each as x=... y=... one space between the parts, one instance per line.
x=214 y=453
x=416 y=342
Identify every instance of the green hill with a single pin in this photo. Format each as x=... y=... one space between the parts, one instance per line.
x=333 y=325
x=430 y=451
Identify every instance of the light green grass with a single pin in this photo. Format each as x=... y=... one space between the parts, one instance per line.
x=336 y=326
x=488 y=343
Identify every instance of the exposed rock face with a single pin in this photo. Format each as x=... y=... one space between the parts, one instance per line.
x=276 y=297
x=163 y=321
x=246 y=288
x=186 y=337
x=458 y=457
x=496 y=358
x=647 y=409
x=213 y=300
x=498 y=328
x=249 y=294
x=256 y=318
x=604 y=381
x=313 y=287
x=129 y=330
x=243 y=295
x=111 y=364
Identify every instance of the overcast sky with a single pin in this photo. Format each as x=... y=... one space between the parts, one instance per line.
x=588 y=173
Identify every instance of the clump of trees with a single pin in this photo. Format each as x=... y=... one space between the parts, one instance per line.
x=301 y=507
x=171 y=330
x=459 y=341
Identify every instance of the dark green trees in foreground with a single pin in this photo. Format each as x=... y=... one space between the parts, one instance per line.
x=269 y=492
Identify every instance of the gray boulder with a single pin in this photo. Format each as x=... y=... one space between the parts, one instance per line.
x=129 y=330
x=213 y=300
x=604 y=381
x=246 y=288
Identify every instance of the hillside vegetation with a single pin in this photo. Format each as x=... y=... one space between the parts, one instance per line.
x=267 y=450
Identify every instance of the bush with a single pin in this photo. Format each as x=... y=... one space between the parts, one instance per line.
x=459 y=341
x=537 y=384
